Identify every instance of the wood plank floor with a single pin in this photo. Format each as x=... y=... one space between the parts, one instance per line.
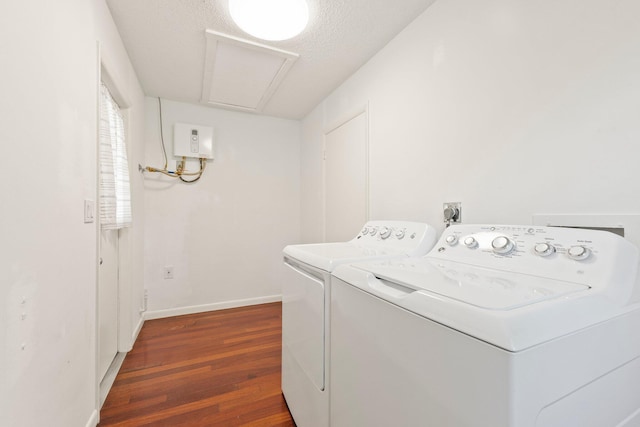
x=220 y=368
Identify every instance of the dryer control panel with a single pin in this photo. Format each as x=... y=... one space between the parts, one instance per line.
x=590 y=257
x=413 y=238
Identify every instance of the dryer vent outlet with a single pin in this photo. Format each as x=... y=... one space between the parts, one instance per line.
x=452 y=213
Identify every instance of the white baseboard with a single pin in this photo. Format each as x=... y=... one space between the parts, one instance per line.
x=93 y=419
x=159 y=314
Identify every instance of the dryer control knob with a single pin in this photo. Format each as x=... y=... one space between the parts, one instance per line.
x=385 y=232
x=544 y=249
x=451 y=239
x=471 y=242
x=502 y=245
x=578 y=253
x=400 y=234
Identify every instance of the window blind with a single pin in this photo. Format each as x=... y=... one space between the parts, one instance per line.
x=115 y=193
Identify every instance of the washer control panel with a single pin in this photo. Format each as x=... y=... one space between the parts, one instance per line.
x=413 y=237
x=578 y=245
x=578 y=255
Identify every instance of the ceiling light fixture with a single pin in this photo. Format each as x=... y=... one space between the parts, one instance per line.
x=272 y=20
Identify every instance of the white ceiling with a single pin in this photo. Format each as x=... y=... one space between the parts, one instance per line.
x=166 y=42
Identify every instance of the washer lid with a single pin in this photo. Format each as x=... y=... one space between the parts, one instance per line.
x=481 y=287
x=514 y=323
x=513 y=311
x=326 y=256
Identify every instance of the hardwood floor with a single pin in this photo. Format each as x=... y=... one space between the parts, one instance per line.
x=220 y=368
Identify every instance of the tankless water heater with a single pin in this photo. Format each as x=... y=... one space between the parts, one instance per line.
x=192 y=141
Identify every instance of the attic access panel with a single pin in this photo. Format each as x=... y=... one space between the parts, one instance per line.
x=241 y=74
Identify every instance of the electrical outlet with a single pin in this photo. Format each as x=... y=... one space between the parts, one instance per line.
x=167 y=272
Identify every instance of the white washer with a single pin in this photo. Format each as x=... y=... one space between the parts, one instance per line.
x=306 y=294
x=500 y=326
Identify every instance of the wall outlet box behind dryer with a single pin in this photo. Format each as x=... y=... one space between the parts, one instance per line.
x=192 y=141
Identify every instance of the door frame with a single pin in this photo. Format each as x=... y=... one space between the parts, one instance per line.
x=125 y=236
x=335 y=124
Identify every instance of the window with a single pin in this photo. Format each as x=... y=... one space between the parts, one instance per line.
x=115 y=193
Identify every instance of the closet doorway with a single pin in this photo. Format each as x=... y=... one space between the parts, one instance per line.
x=114 y=208
x=346 y=181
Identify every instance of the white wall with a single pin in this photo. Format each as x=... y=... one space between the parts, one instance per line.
x=49 y=78
x=311 y=177
x=224 y=234
x=512 y=107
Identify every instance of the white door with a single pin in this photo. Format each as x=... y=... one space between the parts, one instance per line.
x=112 y=193
x=346 y=179
x=107 y=300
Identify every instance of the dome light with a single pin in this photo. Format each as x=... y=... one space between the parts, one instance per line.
x=270 y=19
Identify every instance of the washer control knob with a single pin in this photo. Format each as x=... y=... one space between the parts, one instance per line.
x=365 y=231
x=451 y=239
x=544 y=249
x=502 y=245
x=373 y=231
x=385 y=232
x=470 y=242
x=400 y=234
x=578 y=253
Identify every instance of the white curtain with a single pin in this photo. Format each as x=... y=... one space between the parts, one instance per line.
x=115 y=193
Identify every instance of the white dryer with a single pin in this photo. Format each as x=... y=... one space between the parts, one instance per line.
x=498 y=326
x=306 y=294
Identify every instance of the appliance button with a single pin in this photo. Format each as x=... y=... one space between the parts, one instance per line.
x=502 y=245
x=470 y=242
x=451 y=239
x=544 y=249
x=578 y=253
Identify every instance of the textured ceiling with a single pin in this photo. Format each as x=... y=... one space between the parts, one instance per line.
x=165 y=40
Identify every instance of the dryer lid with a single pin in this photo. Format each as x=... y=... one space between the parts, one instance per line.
x=377 y=240
x=326 y=256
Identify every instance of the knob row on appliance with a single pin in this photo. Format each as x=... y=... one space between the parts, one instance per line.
x=384 y=232
x=503 y=245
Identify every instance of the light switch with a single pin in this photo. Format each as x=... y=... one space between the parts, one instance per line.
x=89 y=210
